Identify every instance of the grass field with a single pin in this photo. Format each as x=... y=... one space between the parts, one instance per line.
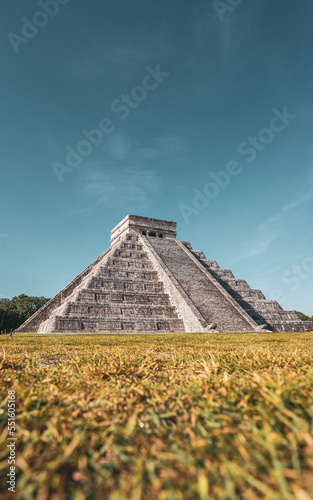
x=199 y=416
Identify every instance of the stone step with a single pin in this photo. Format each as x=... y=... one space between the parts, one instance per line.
x=111 y=310
x=129 y=254
x=71 y=325
x=302 y=326
x=251 y=296
x=134 y=258
x=236 y=288
x=257 y=294
x=276 y=317
x=262 y=305
x=225 y=274
x=121 y=285
x=132 y=246
x=122 y=274
x=241 y=291
x=234 y=282
x=119 y=263
x=212 y=264
x=200 y=255
x=93 y=295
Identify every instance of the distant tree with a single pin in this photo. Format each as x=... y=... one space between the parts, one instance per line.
x=304 y=317
x=17 y=310
x=5 y=313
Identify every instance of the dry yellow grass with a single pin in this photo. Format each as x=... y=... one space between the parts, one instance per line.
x=201 y=416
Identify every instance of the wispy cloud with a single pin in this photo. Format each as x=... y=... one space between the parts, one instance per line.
x=160 y=147
x=127 y=173
x=120 y=147
x=131 y=184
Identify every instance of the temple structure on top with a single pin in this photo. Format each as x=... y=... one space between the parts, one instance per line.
x=148 y=281
x=145 y=226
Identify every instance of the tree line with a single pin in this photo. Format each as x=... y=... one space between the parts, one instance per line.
x=13 y=312
x=304 y=317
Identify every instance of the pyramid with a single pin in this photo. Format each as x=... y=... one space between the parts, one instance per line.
x=148 y=281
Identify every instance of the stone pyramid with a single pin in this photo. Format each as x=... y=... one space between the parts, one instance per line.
x=148 y=281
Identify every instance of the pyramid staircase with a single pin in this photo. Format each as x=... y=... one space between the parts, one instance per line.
x=261 y=310
x=148 y=281
x=123 y=294
x=213 y=302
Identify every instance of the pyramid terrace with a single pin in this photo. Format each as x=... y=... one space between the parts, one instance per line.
x=148 y=281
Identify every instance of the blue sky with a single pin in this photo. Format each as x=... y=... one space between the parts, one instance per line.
x=184 y=91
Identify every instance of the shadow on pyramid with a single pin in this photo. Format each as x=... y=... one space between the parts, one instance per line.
x=148 y=281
